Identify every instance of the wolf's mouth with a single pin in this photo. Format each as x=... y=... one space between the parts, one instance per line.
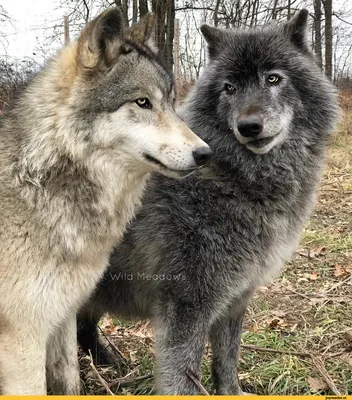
x=260 y=142
x=153 y=160
x=181 y=172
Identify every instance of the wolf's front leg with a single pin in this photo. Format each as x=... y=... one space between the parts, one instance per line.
x=225 y=337
x=22 y=359
x=62 y=362
x=180 y=340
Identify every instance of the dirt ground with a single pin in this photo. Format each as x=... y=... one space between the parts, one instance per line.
x=298 y=331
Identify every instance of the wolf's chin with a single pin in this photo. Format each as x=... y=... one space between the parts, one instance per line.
x=264 y=145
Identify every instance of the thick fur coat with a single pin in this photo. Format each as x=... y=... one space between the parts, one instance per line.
x=75 y=154
x=200 y=247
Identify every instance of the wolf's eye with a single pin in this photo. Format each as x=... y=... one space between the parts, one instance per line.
x=230 y=88
x=143 y=102
x=273 y=79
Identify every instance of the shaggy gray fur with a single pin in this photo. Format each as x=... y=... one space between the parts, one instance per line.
x=200 y=247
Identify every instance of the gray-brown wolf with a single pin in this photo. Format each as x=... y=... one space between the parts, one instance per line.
x=75 y=154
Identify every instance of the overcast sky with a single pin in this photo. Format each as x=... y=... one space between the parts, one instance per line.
x=33 y=22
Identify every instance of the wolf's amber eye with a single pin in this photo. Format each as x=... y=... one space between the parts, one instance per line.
x=230 y=88
x=143 y=102
x=273 y=79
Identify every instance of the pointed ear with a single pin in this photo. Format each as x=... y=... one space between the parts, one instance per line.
x=297 y=30
x=144 y=32
x=100 y=41
x=212 y=36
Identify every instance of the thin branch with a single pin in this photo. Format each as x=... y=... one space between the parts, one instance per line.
x=298 y=294
x=319 y=365
x=113 y=347
x=87 y=8
x=341 y=19
x=101 y=379
x=334 y=287
x=268 y=350
x=196 y=381
x=129 y=381
x=194 y=8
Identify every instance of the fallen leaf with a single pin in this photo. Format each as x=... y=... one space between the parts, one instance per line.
x=348 y=336
x=108 y=325
x=316 y=384
x=276 y=323
x=318 y=251
x=314 y=276
x=341 y=270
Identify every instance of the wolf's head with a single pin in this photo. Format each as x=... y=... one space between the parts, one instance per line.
x=264 y=85
x=121 y=99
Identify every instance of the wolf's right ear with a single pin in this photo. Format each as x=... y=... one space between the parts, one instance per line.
x=101 y=39
x=212 y=36
x=144 y=32
x=297 y=30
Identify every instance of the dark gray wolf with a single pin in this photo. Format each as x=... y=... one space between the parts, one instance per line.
x=75 y=154
x=199 y=248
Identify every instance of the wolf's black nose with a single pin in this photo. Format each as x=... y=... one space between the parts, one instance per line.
x=250 y=126
x=202 y=155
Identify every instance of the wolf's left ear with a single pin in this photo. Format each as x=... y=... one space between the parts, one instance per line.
x=100 y=41
x=297 y=30
x=144 y=32
x=212 y=36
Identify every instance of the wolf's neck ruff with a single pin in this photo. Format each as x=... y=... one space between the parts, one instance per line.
x=62 y=180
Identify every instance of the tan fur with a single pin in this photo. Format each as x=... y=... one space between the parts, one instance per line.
x=68 y=188
x=69 y=68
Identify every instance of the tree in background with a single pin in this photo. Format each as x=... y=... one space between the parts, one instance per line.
x=331 y=25
x=328 y=37
x=317 y=32
x=164 y=11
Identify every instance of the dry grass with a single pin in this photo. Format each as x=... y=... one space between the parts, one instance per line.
x=307 y=309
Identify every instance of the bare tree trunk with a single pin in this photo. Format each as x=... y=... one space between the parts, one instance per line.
x=158 y=8
x=143 y=8
x=66 y=30
x=328 y=37
x=125 y=11
x=274 y=11
x=215 y=15
x=134 y=11
x=87 y=11
x=170 y=33
x=288 y=10
x=247 y=9
x=123 y=5
x=177 y=55
x=317 y=32
x=165 y=18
